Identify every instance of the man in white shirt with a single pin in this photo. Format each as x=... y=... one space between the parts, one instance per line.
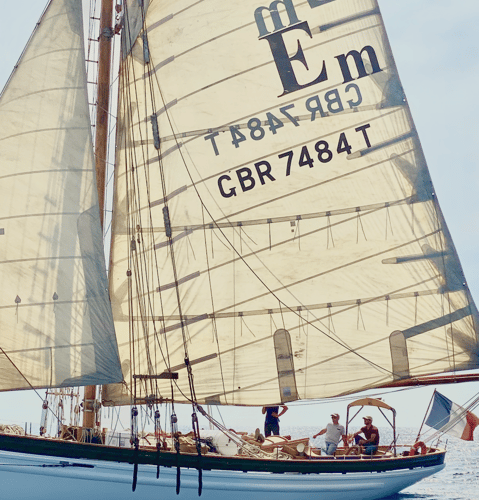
x=334 y=433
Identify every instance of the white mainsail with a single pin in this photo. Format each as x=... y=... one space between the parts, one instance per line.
x=55 y=315
x=281 y=225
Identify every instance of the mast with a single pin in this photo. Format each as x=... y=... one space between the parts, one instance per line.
x=101 y=140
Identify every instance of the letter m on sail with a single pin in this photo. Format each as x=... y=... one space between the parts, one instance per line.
x=275 y=16
x=356 y=56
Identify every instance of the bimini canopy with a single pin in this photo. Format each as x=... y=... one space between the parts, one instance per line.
x=371 y=402
x=378 y=404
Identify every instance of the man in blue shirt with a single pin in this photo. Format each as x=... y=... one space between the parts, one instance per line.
x=271 y=422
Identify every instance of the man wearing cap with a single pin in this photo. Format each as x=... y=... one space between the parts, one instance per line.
x=334 y=433
x=371 y=434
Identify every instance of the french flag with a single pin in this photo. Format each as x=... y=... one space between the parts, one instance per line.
x=451 y=418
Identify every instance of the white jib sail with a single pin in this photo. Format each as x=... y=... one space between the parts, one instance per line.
x=55 y=316
x=308 y=256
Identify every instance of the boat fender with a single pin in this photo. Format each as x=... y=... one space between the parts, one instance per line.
x=200 y=481
x=175 y=434
x=135 y=476
x=178 y=480
x=157 y=437
x=158 y=448
x=415 y=446
x=136 y=442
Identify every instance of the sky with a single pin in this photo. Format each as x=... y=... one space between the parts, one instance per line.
x=436 y=49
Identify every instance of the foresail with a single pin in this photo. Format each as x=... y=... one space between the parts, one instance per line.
x=275 y=227
x=55 y=316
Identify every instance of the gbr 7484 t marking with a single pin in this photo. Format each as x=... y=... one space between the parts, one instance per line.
x=324 y=152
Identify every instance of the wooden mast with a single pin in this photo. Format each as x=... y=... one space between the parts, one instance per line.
x=101 y=147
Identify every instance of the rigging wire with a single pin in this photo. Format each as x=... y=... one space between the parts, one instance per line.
x=135 y=259
x=172 y=255
x=126 y=84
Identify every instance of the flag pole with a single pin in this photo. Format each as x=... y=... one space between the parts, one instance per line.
x=424 y=419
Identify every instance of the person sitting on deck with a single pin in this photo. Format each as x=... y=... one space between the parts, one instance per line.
x=271 y=423
x=371 y=433
x=334 y=433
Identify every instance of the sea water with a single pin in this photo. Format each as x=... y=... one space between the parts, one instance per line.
x=458 y=481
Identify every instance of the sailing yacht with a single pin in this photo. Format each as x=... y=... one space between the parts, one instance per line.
x=275 y=237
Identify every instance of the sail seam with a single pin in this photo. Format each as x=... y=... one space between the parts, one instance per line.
x=254 y=222
x=310 y=307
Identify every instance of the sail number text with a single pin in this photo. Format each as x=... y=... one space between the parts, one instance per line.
x=256 y=129
x=322 y=151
